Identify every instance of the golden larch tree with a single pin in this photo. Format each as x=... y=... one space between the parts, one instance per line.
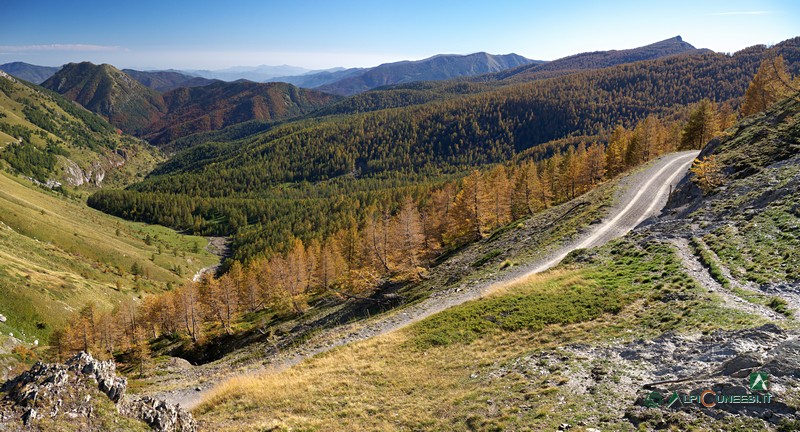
x=770 y=84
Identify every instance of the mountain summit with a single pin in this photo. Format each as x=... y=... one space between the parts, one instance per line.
x=108 y=91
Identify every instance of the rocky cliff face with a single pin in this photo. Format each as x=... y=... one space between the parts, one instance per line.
x=74 y=175
x=85 y=394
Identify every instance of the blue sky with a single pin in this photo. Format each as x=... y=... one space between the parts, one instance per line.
x=321 y=34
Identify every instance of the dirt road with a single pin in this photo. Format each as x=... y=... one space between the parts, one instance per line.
x=645 y=194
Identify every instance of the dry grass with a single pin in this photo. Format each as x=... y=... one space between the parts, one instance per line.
x=360 y=387
x=393 y=382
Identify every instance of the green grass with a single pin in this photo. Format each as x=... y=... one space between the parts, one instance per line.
x=708 y=261
x=563 y=300
x=781 y=306
x=56 y=255
x=763 y=249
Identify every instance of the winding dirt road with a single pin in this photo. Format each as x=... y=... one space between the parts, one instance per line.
x=646 y=194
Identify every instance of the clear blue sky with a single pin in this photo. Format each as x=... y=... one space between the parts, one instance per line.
x=320 y=34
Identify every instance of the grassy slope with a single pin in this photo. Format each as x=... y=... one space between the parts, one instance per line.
x=57 y=254
x=446 y=372
x=760 y=241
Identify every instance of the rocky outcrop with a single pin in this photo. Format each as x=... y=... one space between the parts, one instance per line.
x=67 y=392
x=160 y=415
x=74 y=175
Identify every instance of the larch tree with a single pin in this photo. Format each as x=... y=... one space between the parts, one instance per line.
x=497 y=195
x=708 y=173
x=408 y=237
x=229 y=300
x=770 y=84
x=595 y=163
x=648 y=137
x=349 y=246
x=187 y=305
x=548 y=181
x=468 y=214
x=701 y=126
x=212 y=297
x=617 y=151
x=331 y=264
x=436 y=214
x=524 y=198
x=292 y=276
x=376 y=239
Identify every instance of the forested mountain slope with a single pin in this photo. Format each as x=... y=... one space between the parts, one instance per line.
x=215 y=106
x=197 y=106
x=106 y=90
x=600 y=60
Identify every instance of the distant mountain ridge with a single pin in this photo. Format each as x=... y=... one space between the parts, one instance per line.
x=29 y=72
x=602 y=59
x=163 y=81
x=436 y=68
x=252 y=73
x=318 y=78
x=142 y=111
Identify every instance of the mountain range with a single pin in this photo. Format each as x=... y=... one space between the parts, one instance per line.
x=142 y=111
x=599 y=60
x=251 y=73
x=163 y=81
x=436 y=68
x=160 y=107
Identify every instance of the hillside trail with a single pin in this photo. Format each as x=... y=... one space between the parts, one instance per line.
x=642 y=195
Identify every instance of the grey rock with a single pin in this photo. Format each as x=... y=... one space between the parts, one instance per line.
x=65 y=390
x=160 y=415
x=741 y=365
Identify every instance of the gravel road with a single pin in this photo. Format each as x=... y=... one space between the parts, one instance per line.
x=643 y=195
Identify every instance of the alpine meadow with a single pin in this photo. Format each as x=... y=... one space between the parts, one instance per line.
x=320 y=218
